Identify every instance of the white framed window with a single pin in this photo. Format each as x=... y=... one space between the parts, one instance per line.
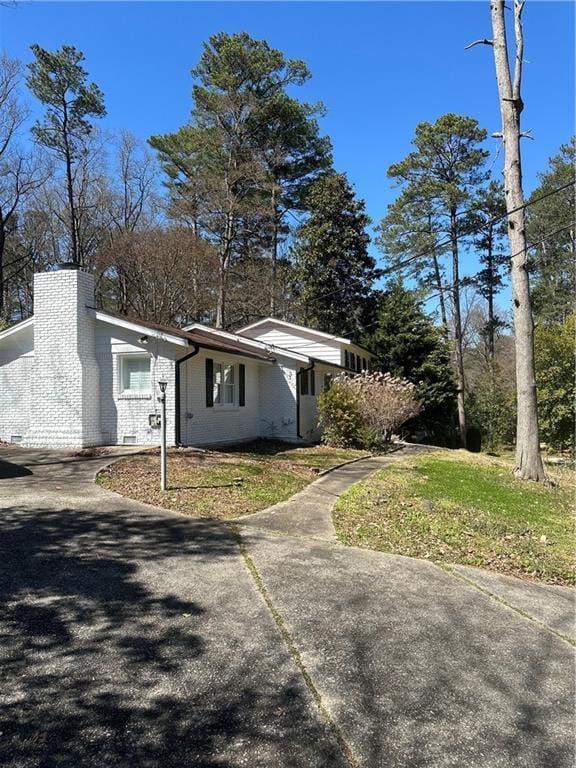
x=224 y=384
x=135 y=376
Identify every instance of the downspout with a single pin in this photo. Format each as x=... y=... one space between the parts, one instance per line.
x=299 y=373
x=178 y=431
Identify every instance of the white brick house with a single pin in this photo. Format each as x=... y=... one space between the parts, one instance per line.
x=74 y=376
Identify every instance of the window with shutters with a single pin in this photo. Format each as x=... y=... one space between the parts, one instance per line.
x=224 y=384
x=135 y=375
x=307 y=381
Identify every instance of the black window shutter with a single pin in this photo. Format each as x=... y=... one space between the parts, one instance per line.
x=346 y=359
x=312 y=382
x=209 y=382
x=242 y=384
x=303 y=381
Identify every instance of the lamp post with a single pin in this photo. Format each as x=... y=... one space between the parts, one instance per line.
x=162 y=400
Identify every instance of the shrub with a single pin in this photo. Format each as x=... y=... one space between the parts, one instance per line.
x=554 y=349
x=366 y=409
x=491 y=409
x=338 y=414
x=385 y=402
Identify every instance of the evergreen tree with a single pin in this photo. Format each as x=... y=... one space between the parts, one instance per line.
x=58 y=80
x=334 y=271
x=554 y=354
x=439 y=178
x=489 y=204
x=407 y=344
x=235 y=169
x=408 y=238
x=551 y=227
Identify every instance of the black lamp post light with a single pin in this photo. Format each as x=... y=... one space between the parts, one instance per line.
x=162 y=385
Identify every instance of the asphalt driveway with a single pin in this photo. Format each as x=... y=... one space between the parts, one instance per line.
x=131 y=636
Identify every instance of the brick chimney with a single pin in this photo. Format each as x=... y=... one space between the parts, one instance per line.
x=66 y=379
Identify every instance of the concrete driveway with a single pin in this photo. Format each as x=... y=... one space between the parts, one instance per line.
x=131 y=636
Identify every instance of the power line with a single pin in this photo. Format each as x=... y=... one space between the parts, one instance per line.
x=494 y=220
x=485 y=224
x=448 y=242
x=528 y=247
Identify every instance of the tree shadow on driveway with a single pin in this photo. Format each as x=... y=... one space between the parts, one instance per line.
x=138 y=640
x=9 y=470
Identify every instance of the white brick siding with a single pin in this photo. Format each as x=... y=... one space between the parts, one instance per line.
x=60 y=380
x=277 y=401
x=16 y=370
x=202 y=425
x=125 y=416
x=65 y=386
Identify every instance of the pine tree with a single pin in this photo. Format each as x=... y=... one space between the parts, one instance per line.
x=443 y=172
x=490 y=204
x=236 y=168
x=334 y=269
x=58 y=80
x=551 y=228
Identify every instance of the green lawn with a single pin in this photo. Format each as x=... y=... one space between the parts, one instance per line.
x=456 y=507
x=206 y=484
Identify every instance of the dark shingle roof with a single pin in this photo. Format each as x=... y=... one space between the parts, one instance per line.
x=203 y=339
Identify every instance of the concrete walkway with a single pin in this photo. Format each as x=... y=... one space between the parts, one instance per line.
x=309 y=513
x=132 y=636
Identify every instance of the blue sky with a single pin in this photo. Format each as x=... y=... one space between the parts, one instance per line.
x=379 y=68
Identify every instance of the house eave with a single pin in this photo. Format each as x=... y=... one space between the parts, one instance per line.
x=270 y=348
x=145 y=330
x=16 y=328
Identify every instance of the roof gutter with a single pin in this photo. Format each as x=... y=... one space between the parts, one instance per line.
x=177 y=409
x=298 y=375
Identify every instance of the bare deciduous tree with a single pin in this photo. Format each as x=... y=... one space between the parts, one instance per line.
x=154 y=261
x=20 y=175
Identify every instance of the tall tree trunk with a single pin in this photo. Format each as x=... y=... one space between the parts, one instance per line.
x=2 y=281
x=438 y=279
x=273 y=276
x=221 y=306
x=440 y=287
x=490 y=298
x=528 y=459
x=491 y=341
x=122 y=292
x=70 y=188
x=457 y=322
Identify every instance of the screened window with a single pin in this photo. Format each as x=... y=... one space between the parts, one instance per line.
x=135 y=373
x=224 y=384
